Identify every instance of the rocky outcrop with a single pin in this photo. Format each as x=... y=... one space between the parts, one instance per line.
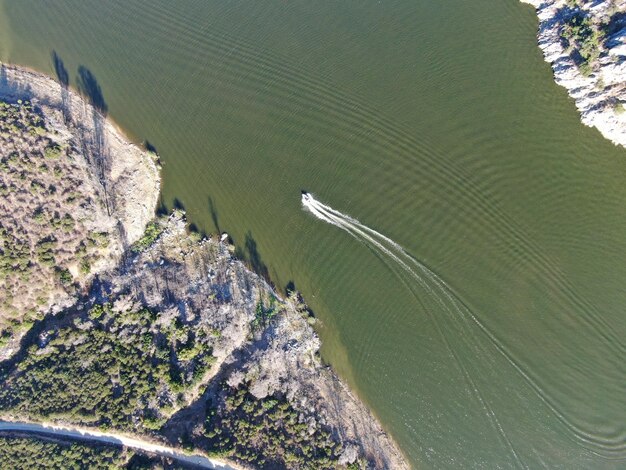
x=585 y=42
x=276 y=354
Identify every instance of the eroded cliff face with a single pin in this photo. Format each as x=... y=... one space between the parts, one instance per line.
x=585 y=42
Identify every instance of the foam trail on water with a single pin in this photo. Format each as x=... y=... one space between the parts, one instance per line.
x=353 y=227
x=445 y=296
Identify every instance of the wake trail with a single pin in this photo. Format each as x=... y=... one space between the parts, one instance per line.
x=352 y=226
x=444 y=295
x=601 y=327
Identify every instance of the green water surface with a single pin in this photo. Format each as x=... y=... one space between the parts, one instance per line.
x=436 y=123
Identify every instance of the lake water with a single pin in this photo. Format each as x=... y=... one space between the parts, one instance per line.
x=435 y=124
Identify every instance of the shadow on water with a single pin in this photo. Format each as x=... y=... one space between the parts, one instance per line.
x=194 y=229
x=149 y=147
x=291 y=290
x=89 y=87
x=164 y=209
x=290 y=287
x=59 y=69
x=178 y=204
x=214 y=216
x=64 y=79
x=250 y=254
x=153 y=150
x=4 y=80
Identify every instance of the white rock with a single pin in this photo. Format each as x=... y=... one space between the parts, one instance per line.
x=595 y=95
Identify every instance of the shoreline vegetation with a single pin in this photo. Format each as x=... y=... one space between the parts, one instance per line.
x=144 y=326
x=585 y=43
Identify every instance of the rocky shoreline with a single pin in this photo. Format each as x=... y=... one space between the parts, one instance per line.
x=239 y=354
x=585 y=42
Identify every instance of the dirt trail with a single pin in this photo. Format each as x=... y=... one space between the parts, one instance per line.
x=118 y=439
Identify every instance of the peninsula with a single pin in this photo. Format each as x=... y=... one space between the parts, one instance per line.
x=115 y=322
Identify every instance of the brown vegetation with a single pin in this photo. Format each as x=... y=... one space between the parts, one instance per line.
x=54 y=229
x=74 y=195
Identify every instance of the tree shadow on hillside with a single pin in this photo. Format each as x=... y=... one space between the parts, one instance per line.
x=98 y=292
x=616 y=23
x=183 y=425
x=12 y=90
x=4 y=79
x=90 y=88
x=94 y=145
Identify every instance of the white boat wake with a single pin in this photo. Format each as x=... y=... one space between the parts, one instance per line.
x=413 y=273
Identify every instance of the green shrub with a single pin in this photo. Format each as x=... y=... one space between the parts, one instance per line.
x=263 y=314
x=64 y=276
x=85 y=266
x=267 y=433
x=39 y=216
x=153 y=230
x=67 y=222
x=100 y=239
x=584 y=38
x=104 y=371
x=53 y=151
x=43 y=251
x=97 y=311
